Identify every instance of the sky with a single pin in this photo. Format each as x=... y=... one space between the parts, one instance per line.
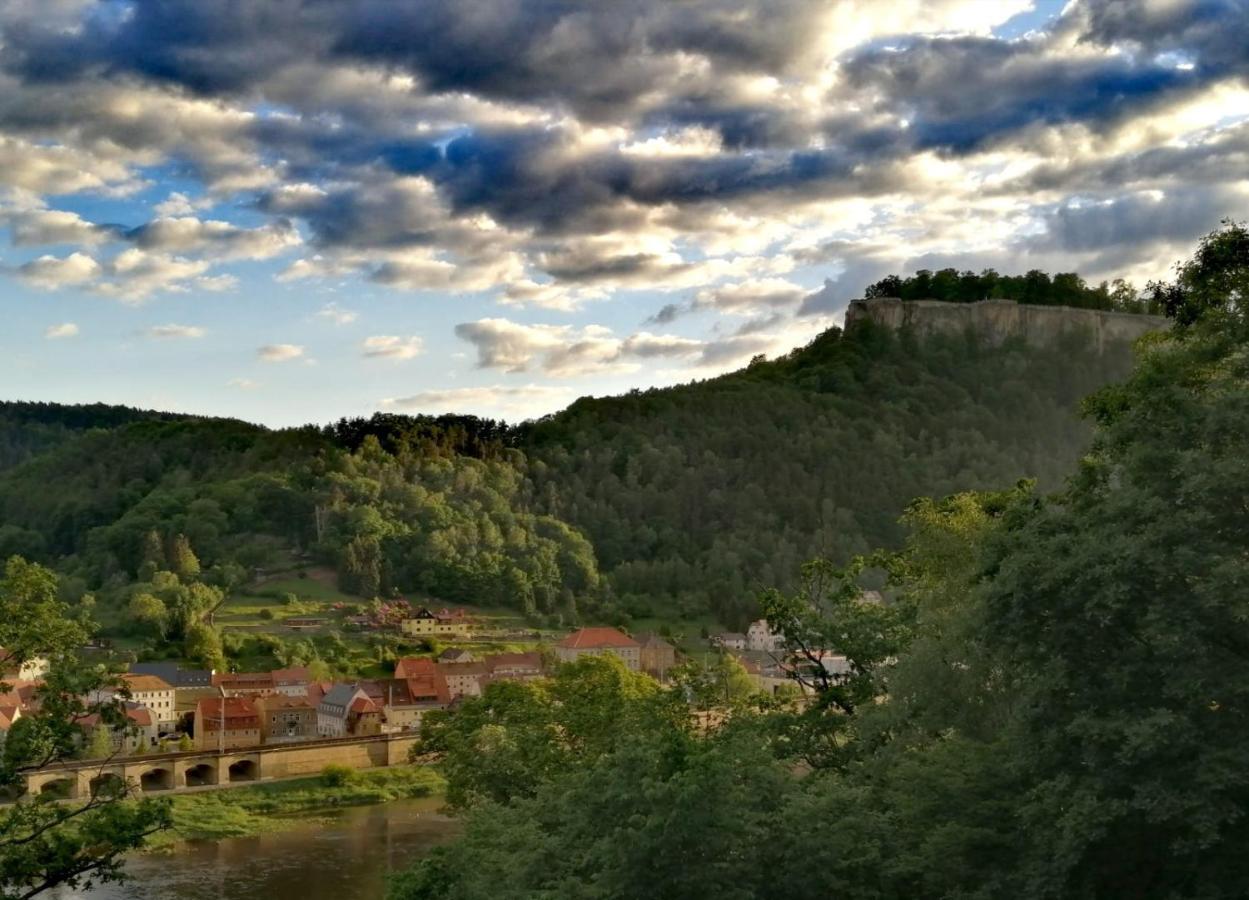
x=289 y=211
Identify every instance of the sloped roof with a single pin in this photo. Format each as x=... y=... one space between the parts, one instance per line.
x=530 y=660
x=650 y=640
x=409 y=666
x=146 y=683
x=596 y=638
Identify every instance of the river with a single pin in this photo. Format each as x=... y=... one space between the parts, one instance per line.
x=346 y=858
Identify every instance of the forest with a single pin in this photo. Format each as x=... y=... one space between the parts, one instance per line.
x=1051 y=706
x=652 y=503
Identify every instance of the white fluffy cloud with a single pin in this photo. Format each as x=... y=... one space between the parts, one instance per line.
x=390 y=346
x=164 y=332
x=52 y=273
x=62 y=330
x=276 y=353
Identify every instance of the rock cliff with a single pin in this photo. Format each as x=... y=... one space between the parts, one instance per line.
x=998 y=320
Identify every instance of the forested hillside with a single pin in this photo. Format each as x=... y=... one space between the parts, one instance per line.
x=27 y=429
x=694 y=496
x=688 y=498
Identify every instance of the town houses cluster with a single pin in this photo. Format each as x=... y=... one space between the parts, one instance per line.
x=170 y=707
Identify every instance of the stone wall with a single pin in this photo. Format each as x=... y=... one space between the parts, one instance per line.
x=998 y=320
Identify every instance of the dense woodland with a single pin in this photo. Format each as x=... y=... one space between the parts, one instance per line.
x=655 y=502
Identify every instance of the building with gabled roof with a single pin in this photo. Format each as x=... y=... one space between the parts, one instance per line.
x=598 y=641
x=657 y=655
x=285 y=719
x=444 y=623
x=236 y=716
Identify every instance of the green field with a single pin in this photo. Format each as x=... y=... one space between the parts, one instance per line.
x=262 y=808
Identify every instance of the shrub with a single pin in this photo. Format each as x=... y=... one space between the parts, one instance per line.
x=335 y=775
x=266 y=613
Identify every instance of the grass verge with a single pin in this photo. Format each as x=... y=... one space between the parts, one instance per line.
x=264 y=808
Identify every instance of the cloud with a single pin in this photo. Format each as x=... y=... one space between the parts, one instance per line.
x=505 y=401
x=336 y=314
x=51 y=273
x=216 y=239
x=243 y=384
x=276 y=353
x=389 y=346
x=63 y=330
x=164 y=332
x=561 y=350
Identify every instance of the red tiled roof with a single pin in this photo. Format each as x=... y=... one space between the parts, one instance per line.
x=363 y=705
x=208 y=711
x=531 y=660
x=294 y=675
x=9 y=715
x=410 y=666
x=593 y=638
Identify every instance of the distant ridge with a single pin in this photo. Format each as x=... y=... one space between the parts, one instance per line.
x=998 y=320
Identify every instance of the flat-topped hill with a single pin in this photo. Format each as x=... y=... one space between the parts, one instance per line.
x=997 y=320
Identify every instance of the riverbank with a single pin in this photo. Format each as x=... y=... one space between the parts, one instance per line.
x=264 y=808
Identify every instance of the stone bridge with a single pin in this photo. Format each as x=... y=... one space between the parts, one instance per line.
x=177 y=771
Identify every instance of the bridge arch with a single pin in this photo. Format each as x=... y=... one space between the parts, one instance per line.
x=243 y=770
x=107 y=784
x=59 y=788
x=200 y=774
x=158 y=779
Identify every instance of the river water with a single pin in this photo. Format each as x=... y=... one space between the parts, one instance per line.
x=346 y=858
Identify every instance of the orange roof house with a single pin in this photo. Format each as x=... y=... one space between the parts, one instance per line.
x=596 y=642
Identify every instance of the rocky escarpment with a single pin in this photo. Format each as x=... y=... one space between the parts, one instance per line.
x=998 y=320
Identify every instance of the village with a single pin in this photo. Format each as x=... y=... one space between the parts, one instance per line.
x=173 y=708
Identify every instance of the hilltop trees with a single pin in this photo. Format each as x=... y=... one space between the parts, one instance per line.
x=1034 y=287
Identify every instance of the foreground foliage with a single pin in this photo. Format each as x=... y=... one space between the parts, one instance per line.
x=1065 y=718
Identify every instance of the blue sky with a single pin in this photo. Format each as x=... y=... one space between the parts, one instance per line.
x=294 y=212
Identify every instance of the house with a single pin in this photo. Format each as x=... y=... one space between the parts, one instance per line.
x=443 y=623
x=514 y=666
x=596 y=642
x=761 y=637
x=285 y=719
x=347 y=709
x=465 y=679
x=237 y=717
x=656 y=656
x=408 y=666
x=141 y=731
x=456 y=655
x=245 y=684
x=405 y=701
x=155 y=694
x=729 y=640
x=30 y=669
x=292 y=682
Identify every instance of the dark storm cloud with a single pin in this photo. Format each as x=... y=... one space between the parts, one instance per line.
x=960 y=93
x=1134 y=219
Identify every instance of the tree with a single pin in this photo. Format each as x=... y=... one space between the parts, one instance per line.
x=1214 y=283
x=148 y=609
x=182 y=559
x=203 y=647
x=825 y=621
x=504 y=744
x=76 y=844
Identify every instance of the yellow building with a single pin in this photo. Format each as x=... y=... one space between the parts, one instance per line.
x=424 y=623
